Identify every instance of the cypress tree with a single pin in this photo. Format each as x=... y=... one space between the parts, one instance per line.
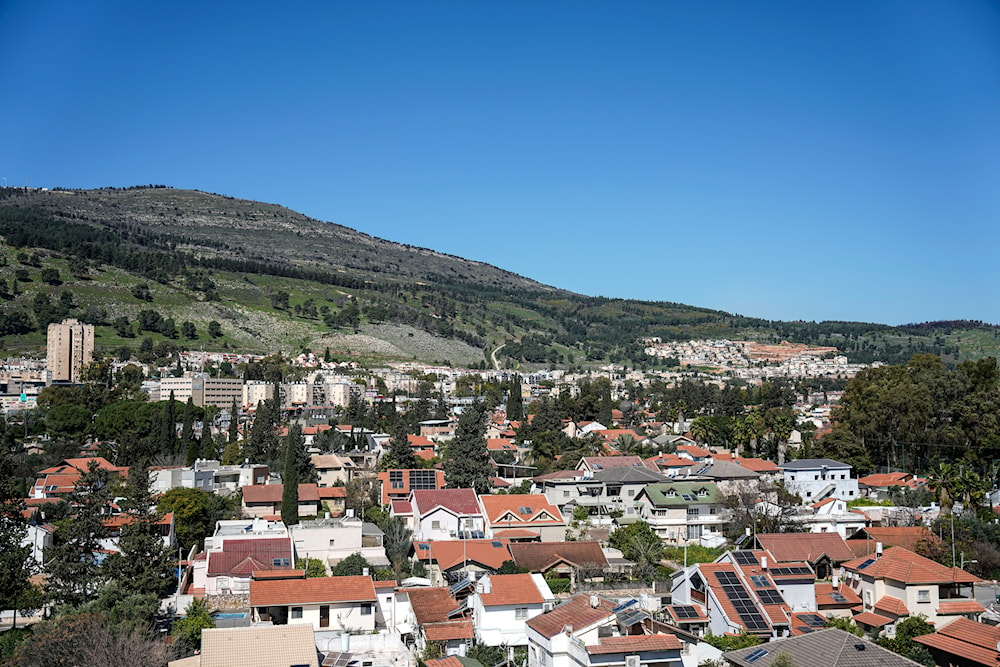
x=290 y=477
x=234 y=422
x=467 y=465
x=188 y=442
x=168 y=428
x=400 y=455
x=515 y=402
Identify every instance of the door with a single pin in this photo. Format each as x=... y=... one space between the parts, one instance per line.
x=324 y=616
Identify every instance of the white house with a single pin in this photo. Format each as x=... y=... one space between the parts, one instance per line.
x=447 y=514
x=337 y=603
x=504 y=602
x=818 y=479
x=334 y=539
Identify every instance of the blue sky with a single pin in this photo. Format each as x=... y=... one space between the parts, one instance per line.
x=787 y=160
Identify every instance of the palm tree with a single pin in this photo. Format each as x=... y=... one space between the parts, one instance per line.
x=970 y=488
x=942 y=481
x=626 y=444
x=702 y=430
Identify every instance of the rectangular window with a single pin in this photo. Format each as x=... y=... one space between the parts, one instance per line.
x=366 y=610
x=435 y=525
x=692 y=512
x=565 y=494
x=296 y=612
x=713 y=510
x=521 y=613
x=694 y=532
x=631 y=493
x=923 y=595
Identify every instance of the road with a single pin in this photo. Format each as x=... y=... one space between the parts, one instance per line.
x=496 y=363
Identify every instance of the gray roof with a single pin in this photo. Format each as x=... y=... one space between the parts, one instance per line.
x=625 y=475
x=719 y=470
x=830 y=647
x=813 y=464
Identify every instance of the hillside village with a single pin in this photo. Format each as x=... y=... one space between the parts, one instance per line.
x=487 y=529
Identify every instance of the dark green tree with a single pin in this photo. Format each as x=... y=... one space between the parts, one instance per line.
x=195 y=513
x=168 y=427
x=515 y=402
x=187 y=631
x=290 y=477
x=353 y=565
x=189 y=444
x=214 y=329
x=16 y=564
x=400 y=455
x=234 y=422
x=467 y=462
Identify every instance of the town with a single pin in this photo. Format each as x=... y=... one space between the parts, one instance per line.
x=245 y=509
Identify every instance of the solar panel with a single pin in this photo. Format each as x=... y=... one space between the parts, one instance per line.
x=790 y=571
x=686 y=611
x=760 y=581
x=423 y=546
x=770 y=596
x=756 y=655
x=741 y=601
x=866 y=563
x=837 y=597
x=813 y=620
x=455 y=588
x=497 y=543
x=745 y=557
x=460 y=609
x=630 y=617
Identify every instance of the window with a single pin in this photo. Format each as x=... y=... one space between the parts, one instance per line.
x=694 y=532
x=692 y=512
x=280 y=562
x=366 y=610
x=331 y=543
x=631 y=493
x=924 y=595
x=296 y=612
x=713 y=510
x=521 y=613
x=566 y=493
x=435 y=525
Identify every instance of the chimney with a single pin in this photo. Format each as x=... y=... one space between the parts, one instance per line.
x=326 y=515
x=836 y=583
x=595 y=602
x=364 y=572
x=486 y=585
x=878 y=550
x=763 y=563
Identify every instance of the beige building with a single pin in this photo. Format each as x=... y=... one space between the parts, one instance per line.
x=203 y=390
x=70 y=349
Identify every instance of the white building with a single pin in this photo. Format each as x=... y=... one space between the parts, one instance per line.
x=503 y=603
x=818 y=479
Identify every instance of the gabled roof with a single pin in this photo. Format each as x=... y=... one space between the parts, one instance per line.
x=508 y=589
x=828 y=647
x=975 y=642
x=719 y=469
x=909 y=537
x=757 y=465
x=672 y=494
x=271 y=493
x=891 y=605
x=258 y=645
x=543 y=556
x=809 y=547
x=899 y=564
x=317 y=590
x=490 y=554
x=695 y=451
x=458 y=501
x=521 y=510
x=596 y=463
x=576 y=612
x=635 y=644
x=625 y=475
x=888 y=479
x=243 y=557
x=431 y=605
x=451 y=630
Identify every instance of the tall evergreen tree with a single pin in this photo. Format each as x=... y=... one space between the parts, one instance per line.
x=467 y=465
x=234 y=422
x=74 y=571
x=16 y=563
x=515 y=402
x=168 y=427
x=143 y=564
x=400 y=455
x=290 y=476
x=188 y=442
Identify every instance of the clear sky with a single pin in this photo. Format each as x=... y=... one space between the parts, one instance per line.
x=787 y=160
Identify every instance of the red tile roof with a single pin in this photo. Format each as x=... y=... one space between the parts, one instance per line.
x=316 y=590
x=888 y=479
x=576 y=612
x=948 y=607
x=521 y=510
x=824 y=596
x=243 y=557
x=450 y=661
x=701 y=617
x=441 y=632
x=271 y=493
x=542 y=556
x=431 y=605
x=458 y=501
x=509 y=589
x=635 y=644
x=899 y=564
x=488 y=553
x=695 y=451
x=758 y=465
x=976 y=642
x=500 y=444
x=874 y=620
x=892 y=605
x=810 y=547
x=908 y=537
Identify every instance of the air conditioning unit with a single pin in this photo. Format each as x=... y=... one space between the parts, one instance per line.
x=547 y=606
x=631 y=661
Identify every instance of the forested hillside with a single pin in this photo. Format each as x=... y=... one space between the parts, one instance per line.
x=162 y=264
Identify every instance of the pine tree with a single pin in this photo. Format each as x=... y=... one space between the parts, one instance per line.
x=234 y=422
x=75 y=574
x=400 y=455
x=290 y=477
x=168 y=427
x=467 y=465
x=16 y=563
x=143 y=565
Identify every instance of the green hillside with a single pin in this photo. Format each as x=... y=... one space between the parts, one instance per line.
x=131 y=260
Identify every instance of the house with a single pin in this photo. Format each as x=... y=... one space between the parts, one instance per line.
x=722 y=472
x=257 y=645
x=831 y=515
x=898 y=583
x=523 y=517
x=818 y=479
x=261 y=500
x=338 y=603
x=60 y=480
x=694 y=453
x=835 y=599
x=588 y=630
x=397 y=483
x=596 y=463
x=577 y=560
x=918 y=539
x=228 y=568
x=504 y=602
x=878 y=485
x=333 y=499
x=438 y=616
x=331 y=540
x=824 y=647
x=611 y=489
x=208 y=475
x=449 y=561
x=114 y=523
x=447 y=514
x=964 y=643
x=333 y=469
x=823 y=551
x=680 y=512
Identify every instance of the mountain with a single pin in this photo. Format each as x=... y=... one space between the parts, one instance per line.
x=275 y=280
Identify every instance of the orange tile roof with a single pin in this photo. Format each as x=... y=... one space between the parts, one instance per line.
x=948 y=607
x=441 y=632
x=694 y=450
x=824 y=595
x=809 y=547
x=635 y=644
x=450 y=661
x=431 y=605
x=542 y=556
x=899 y=564
x=892 y=605
x=511 y=589
x=312 y=591
x=271 y=493
x=874 y=620
x=701 y=617
x=279 y=574
x=975 y=642
x=420 y=441
x=576 y=612
x=888 y=479
x=668 y=461
x=500 y=444
x=521 y=510
x=757 y=465
x=488 y=553
x=908 y=537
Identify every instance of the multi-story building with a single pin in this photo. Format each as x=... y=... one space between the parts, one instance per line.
x=202 y=390
x=818 y=479
x=70 y=349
